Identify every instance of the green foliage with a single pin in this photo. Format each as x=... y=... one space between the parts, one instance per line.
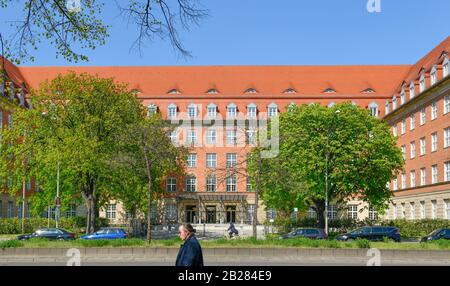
x=356 y=144
x=11 y=244
x=362 y=243
x=417 y=228
x=110 y=242
x=75 y=224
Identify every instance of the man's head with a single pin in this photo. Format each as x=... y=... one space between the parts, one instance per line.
x=185 y=230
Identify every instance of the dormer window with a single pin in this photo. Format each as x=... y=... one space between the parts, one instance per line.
x=373 y=109
x=272 y=110
x=211 y=110
x=212 y=91
x=402 y=96
x=192 y=111
x=329 y=90
x=412 y=90
x=174 y=91
x=368 y=90
x=433 y=75
x=386 y=107
x=251 y=110
x=394 y=102
x=445 y=67
x=231 y=110
x=152 y=109
x=251 y=90
x=172 y=111
x=422 y=85
x=290 y=90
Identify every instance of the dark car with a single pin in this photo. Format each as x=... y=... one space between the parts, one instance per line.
x=313 y=233
x=49 y=233
x=440 y=233
x=107 y=233
x=373 y=233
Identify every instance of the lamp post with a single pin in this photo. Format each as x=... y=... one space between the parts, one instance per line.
x=58 y=200
x=326 y=177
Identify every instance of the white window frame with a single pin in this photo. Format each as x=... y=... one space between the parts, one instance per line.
x=412 y=179
x=231 y=136
x=394 y=102
x=231 y=161
x=192 y=111
x=272 y=110
x=447 y=171
x=402 y=96
x=211 y=183
x=152 y=109
x=211 y=136
x=352 y=211
x=423 y=211
x=403 y=152
x=434 y=174
x=373 y=109
x=446 y=137
x=211 y=110
x=252 y=110
x=191 y=183
x=445 y=67
x=433 y=110
x=192 y=160
x=412 y=90
x=231 y=183
x=111 y=211
x=394 y=130
x=423 y=146
x=412 y=149
x=211 y=160
x=447 y=208
x=395 y=184
x=433 y=209
x=423 y=116
x=412 y=210
x=434 y=142
x=422 y=84
x=423 y=176
x=231 y=110
x=446 y=104
x=433 y=75
x=172 y=111
x=387 y=107
x=192 y=136
x=373 y=214
x=171 y=184
x=403 y=176
x=403 y=126
x=412 y=122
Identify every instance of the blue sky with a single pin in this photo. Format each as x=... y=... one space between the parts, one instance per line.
x=283 y=32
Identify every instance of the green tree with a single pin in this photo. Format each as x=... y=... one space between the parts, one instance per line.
x=148 y=155
x=75 y=122
x=356 y=150
x=74 y=26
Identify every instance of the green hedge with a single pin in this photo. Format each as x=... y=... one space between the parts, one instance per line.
x=75 y=224
x=408 y=228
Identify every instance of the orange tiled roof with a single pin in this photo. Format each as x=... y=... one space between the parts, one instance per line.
x=235 y=80
x=12 y=71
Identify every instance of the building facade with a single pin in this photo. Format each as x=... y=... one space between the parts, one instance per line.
x=198 y=97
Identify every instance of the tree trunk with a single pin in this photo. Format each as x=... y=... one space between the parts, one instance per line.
x=93 y=211
x=320 y=210
x=149 y=215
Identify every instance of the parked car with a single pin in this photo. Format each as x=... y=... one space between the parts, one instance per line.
x=440 y=233
x=49 y=233
x=107 y=233
x=373 y=233
x=313 y=233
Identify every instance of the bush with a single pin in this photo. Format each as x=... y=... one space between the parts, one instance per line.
x=417 y=228
x=10 y=244
x=362 y=243
x=74 y=224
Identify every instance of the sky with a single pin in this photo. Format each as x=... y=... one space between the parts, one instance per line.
x=282 y=32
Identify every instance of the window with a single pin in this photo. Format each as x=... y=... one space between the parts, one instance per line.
x=252 y=137
x=412 y=178
x=192 y=160
x=422 y=146
x=373 y=214
x=251 y=110
x=412 y=90
x=111 y=211
x=171 y=185
x=445 y=67
x=212 y=91
x=447 y=171
x=403 y=126
x=412 y=210
x=211 y=183
x=151 y=109
x=422 y=85
x=311 y=213
x=231 y=110
x=249 y=185
x=211 y=136
x=332 y=212
x=433 y=110
x=352 y=212
x=231 y=160
x=447 y=208
x=9 y=213
x=192 y=111
x=271 y=214
x=173 y=136
x=173 y=91
x=434 y=174
x=423 y=116
x=412 y=151
x=395 y=184
x=433 y=76
x=212 y=110
x=404 y=152
x=373 y=109
x=402 y=97
x=423 y=176
x=394 y=102
x=251 y=90
x=191 y=183
x=434 y=142
x=231 y=136
x=433 y=209
x=394 y=130
x=290 y=90
x=272 y=110
x=250 y=212
x=172 y=111
x=446 y=137
x=386 y=107
x=412 y=122
x=72 y=211
x=192 y=137
x=403 y=180
x=171 y=212
x=211 y=160
x=446 y=104
x=422 y=210
x=231 y=183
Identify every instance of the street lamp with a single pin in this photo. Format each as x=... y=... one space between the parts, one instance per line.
x=326 y=178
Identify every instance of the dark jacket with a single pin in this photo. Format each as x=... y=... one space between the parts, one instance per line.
x=190 y=253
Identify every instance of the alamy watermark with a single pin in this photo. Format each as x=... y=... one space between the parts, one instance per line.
x=374 y=6
x=75 y=257
x=375 y=255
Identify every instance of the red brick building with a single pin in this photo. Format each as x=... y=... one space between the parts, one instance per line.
x=208 y=92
